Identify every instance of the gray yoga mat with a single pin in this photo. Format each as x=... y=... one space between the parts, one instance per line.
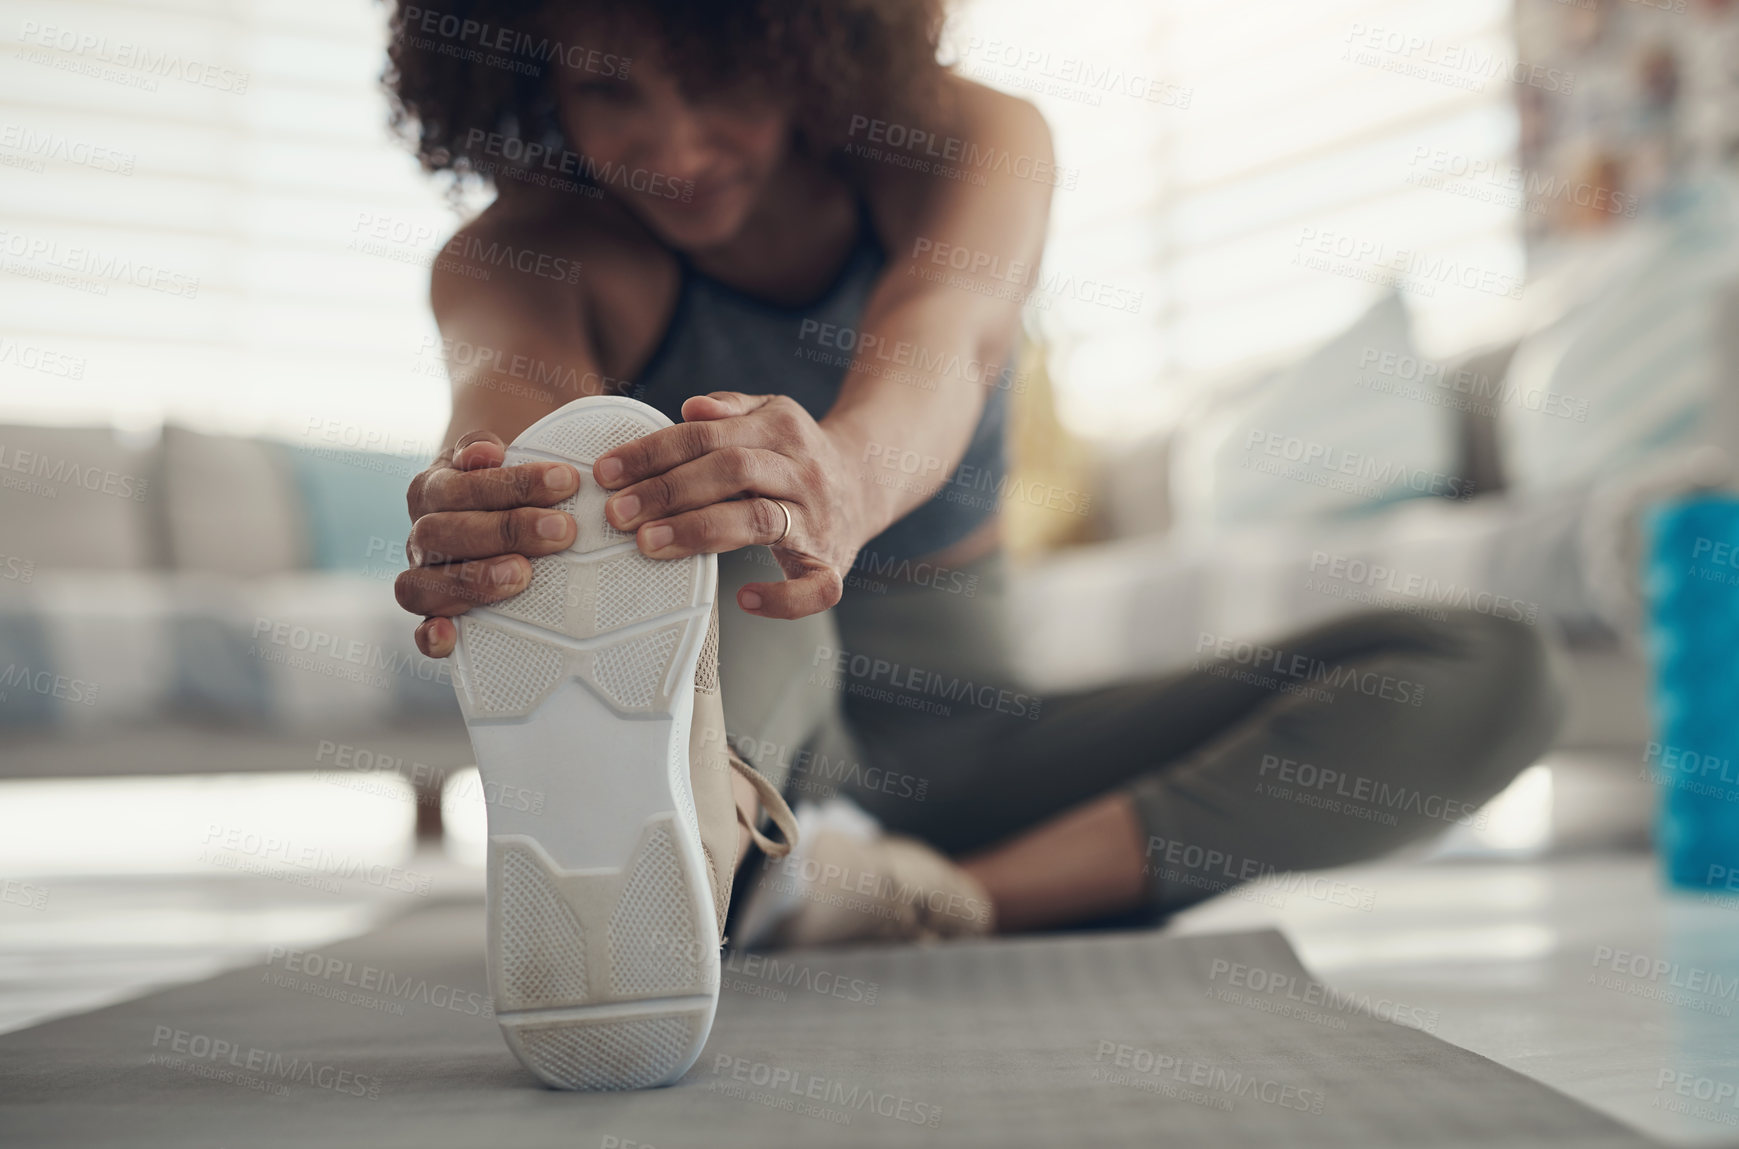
x=1103 y=1039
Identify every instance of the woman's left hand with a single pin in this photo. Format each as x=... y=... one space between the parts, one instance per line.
x=716 y=482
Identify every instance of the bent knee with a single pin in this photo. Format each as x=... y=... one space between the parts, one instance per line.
x=1505 y=691
x=1514 y=657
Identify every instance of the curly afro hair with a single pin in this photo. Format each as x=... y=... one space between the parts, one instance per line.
x=460 y=70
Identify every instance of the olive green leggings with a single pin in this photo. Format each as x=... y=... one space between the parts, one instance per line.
x=1321 y=748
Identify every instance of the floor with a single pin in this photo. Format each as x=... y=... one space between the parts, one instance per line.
x=1580 y=972
x=1577 y=969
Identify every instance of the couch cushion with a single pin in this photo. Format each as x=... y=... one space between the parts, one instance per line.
x=95 y=650
x=1337 y=433
x=354 y=503
x=74 y=497
x=230 y=505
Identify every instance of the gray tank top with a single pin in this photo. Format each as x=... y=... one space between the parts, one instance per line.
x=720 y=339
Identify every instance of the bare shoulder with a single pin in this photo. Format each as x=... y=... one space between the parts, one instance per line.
x=981 y=145
x=536 y=263
x=984 y=111
x=526 y=246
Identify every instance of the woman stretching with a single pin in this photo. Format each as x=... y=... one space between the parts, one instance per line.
x=784 y=227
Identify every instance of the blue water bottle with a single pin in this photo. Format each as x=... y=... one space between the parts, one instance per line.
x=1692 y=586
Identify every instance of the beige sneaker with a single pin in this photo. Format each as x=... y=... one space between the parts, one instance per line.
x=597 y=686
x=712 y=761
x=850 y=882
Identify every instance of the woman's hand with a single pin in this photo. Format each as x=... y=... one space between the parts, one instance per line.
x=475 y=526
x=715 y=483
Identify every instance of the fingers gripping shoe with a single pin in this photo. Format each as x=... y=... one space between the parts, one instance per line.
x=603 y=904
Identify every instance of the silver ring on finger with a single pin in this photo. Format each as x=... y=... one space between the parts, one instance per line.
x=787 y=529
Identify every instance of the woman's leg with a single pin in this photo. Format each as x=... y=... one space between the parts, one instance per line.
x=1334 y=745
x=777 y=713
x=1086 y=864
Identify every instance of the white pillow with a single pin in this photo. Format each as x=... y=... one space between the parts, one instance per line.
x=1351 y=427
x=1629 y=376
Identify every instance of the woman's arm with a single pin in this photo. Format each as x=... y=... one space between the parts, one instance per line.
x=526 y=344
x=932 y=338
x=960 y=323
x=475 y=524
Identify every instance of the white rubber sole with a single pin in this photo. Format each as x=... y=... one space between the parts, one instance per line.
x=602 y=956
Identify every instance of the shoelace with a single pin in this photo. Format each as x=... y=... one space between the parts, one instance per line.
x=774 y=804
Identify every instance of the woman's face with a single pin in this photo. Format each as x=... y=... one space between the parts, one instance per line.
x=690 y=167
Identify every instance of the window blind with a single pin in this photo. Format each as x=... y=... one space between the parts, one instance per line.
x=202 y=217
x=1220 y=144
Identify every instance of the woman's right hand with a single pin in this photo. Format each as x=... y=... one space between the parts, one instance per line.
x=475 y=526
